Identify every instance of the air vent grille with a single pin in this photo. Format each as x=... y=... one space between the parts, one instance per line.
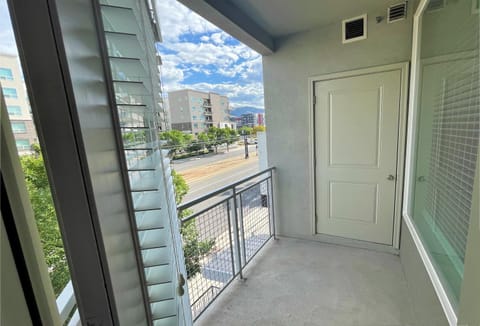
x=434 y=5
x=397 y=12
x=355 y=29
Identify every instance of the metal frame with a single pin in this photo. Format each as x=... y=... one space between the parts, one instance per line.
x=410 y=163
x=235 y=220
x=42 y=54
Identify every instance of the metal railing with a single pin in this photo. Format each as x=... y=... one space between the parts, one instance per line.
x=222 y=231
x=67 y=306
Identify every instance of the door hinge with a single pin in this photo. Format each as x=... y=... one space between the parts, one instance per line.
x=314 y=100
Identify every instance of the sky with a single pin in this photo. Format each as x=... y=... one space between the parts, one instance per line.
x=198 y=55
x=195 y=54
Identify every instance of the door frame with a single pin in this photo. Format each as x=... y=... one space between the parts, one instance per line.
x=403 y=67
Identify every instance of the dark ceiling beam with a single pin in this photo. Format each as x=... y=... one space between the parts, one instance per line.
x=228 y=17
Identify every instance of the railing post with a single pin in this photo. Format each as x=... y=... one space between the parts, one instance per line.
x=242 y=230
x=230 y=238
x=236 y=235
x=272 y=205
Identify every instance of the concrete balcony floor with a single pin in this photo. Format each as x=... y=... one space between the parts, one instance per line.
x=296 y=282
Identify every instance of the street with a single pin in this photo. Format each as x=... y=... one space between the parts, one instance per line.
x=210 y=172
x=192 y=162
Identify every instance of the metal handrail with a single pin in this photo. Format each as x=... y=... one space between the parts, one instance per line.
x=223 y=189
x=228 y=216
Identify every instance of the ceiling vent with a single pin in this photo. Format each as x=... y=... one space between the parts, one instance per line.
x=354 y=29
x=397 y=12
x=434 y=5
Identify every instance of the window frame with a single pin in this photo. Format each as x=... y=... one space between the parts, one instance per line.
x=409 y=181
x=6 y=77
x=16 y=107
x=15 y=131
x=7 y=95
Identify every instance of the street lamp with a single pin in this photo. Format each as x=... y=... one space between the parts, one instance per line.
x=244 y=134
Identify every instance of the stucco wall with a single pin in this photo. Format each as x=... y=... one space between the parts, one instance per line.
x=286 y=74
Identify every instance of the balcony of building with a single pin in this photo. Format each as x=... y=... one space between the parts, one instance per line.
x=208 y=112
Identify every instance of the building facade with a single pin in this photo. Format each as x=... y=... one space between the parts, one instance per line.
x=194 y=111
x=18 y=107
x=252 y=120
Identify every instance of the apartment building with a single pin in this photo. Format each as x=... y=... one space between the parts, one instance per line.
x=252 y=120
x=195 y=111
x=17 y=103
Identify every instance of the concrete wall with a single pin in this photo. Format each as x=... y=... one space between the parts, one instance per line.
x=426 y=306
x=179 y=107
x=286 y=74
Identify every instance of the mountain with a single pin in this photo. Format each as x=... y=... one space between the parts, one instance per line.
x=245 y=109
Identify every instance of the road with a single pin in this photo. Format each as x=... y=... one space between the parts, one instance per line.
x=214 y=181
x=189 y=163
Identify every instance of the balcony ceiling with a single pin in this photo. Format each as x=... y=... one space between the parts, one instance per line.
x=284 y=17
x=257 y=23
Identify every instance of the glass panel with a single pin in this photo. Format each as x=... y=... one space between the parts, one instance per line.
x=10 y=92
x=22 y=144
x=33 y=167
x=6 y=74
x=14 y=110
x=19 y=127
x=447 y=137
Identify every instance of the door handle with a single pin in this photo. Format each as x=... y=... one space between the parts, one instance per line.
x=391 y=177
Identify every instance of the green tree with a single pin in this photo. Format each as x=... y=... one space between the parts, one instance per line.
x=245 y=130
x=45 y=216
x=258 y=129
x=193 y=248
x=203 y=138
x=176 y=140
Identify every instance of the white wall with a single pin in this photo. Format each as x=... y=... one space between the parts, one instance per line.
x=286 y=74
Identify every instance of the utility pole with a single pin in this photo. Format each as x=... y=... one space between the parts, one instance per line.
x=244 y=134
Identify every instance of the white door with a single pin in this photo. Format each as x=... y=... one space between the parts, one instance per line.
x=356 y=144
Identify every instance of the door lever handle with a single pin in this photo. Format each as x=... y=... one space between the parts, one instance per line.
x=391 y=177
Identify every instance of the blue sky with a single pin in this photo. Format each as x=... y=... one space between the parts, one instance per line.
x=195 y=54
x=198 y=55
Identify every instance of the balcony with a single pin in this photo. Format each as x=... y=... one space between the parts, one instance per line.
x=248 y=276
x=222 y=232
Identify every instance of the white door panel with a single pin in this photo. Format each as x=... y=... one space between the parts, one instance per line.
x=356 y=128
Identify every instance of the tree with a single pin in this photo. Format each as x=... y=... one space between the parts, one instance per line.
x=46 y=219
x=258 y=129
x=193 y=248
x=245 y=131
x=176 y=140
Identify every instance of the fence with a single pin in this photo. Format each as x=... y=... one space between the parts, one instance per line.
x=222 y=231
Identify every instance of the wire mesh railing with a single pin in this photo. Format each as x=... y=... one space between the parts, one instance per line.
x=221 y=232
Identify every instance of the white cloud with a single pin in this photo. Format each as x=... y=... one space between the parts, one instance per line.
x=193 y=47
x=176 y=19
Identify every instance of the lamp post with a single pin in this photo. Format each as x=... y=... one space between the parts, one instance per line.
x=244 y=134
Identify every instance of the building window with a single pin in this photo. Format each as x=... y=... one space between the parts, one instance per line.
x=22 y=144
x=195 y=125
x=194 y=117
x=447 y=141
x=14 y=110
x=19 y=127
x=6 y=74
x=10 y=92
